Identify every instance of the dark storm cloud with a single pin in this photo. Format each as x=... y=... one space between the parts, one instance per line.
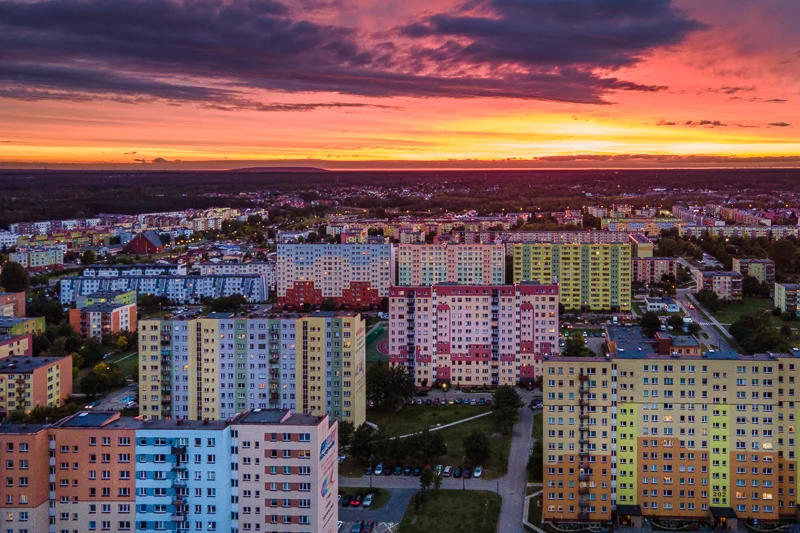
x=216 y=53
x=776 y=101
x=703 y=123
x=780 y=124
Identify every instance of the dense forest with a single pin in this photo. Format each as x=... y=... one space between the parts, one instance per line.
x=42 y=194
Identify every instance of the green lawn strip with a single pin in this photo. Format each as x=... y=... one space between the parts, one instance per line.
x=748 y=306
x=454 y=436
x=538 y=427
x=351 y=467
x=379 y=499
x=453 y=511
x=534 y=512
x=126 y=362
x=415 y=418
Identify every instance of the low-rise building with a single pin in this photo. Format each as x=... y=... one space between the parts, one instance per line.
x=103 y=320
x=39 y=259
x=102 y=297
x=15 y=345
x=726 y=285
x=153 y=269
x=761 y=269
x=22 y=325
x=663 y=304
x=785 y=297
x=28 y=382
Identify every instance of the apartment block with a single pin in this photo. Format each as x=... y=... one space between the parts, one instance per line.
x=785 y=297
x=152 y=269
x=22 y=325
x=287 y=477
x=265 y=470
x=39 y=259
x=103 y=320
x=216 y=366
x=16 y=345
x=693 y=440
x=352 y=275
x=466 y=264
x=472 y=335
x=177 y=289
x=653 y=269
x=641 y=246
x=726 y=285
x=761 y=269
x=590 y=276
x=753 y=232
x=12 y=304
x=648 y=226
x=29 y=382
x=25 y=494
x=740 y=216
x=265 y=268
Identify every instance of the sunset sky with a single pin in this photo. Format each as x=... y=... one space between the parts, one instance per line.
x=371 y=82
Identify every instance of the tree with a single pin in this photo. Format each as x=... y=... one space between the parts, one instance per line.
x=710 y=300
x=389 y=386
x=650 y=323
x=675 y=321
x=784 y=253
x=575 y=346
x=345 y=433
x=362 y=444
x=477 y=447
x=15 y=278
x=786 y=330
x=88 y=257
x=426 y=479
x=535 y=462
x=328 y=304
x=505 y=405
x=756 y=335
x=437 y=480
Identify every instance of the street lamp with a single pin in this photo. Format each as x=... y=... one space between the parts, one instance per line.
x=370 y=470
x=463 y=481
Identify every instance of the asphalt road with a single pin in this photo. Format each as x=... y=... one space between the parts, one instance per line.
x=392 y=512
x=714 y=337
x=511 y=487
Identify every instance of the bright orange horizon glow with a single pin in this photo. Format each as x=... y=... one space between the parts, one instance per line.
x=731 y=89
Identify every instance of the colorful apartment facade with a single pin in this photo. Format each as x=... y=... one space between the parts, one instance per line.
x=590 y=276
x=22 y=325
x=29 y=382
x=216 y=366
x=726 y=285
x=785 y=297
x=39 y=259
x=472 y=335
x=653 y=269
x=466 y=264
x=16 y=345
x=761 y=269
x=101 y=297
x=103 y=320
x=353 y=275
x=680 y=440
x=12 y=304
x=265 y=470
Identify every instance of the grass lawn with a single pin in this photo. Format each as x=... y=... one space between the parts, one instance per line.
x=380 y=334
x=379 y=499
x=748 y=306
x=454 y=436
x=414 y=418
x=453 y=511
x=126 y=362
x=538 y=427
x=535 y=512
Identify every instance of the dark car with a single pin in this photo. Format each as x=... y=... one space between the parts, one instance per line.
x=458 y=401
x=482 y=401
x=457 y=472
x=368 y=526
x=356 y=528
x=467 y=473
x=356 y=501
x=346 y=500
x=436 y=401
x=387 y=471
x=407 y=471
x=428 y=401
x=417 y=471
x=398 y=471
x=488 y=402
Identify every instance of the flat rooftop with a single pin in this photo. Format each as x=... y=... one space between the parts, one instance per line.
x=179 y=425
x=278 y=416
x=23 y=364
x=103 y=307
x=630 y=341
x=8 y=321
x=20 y=429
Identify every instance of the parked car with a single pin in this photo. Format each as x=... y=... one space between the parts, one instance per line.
x=131 y=405
x=368 y=526
x=342 y=457
x=378 y=469
x=417 y=471
x=356 y=501
x=428 y=401
x=398 y=471
x=457 y=472
x=346 y=500
x=407 y=471
x=482 y=401
x=458 y=401
x=356 y=528
x=411 y=401
x=367 y=500
x=447 y=471
x=368 y=471
x=488 y=402
x=419 y=401
x=438 y=469
x=388 y=471
x=467 y=473
x=339 y=525
x=478 y=472
x=473 y=402
x=451 y=402
x=436 y=401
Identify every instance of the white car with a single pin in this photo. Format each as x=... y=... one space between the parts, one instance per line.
x=447 y=470
x=342 y=457
x=378 y=469
x=367 y=500
x=478 y=472
x=339 y=526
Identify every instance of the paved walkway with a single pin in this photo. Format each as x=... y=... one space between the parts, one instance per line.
x=437 y=428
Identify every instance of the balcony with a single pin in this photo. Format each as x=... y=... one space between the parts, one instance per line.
x=178 y=500
x=178 y=517
x=583 y=441
x=583 y=416
x=583 y=516
x=166 y=400
x=583 y=402
x=179 y=467
x=177 y=450
x=179 y=482
x=584 y=453
x=583 y=377
x=583 y=477
x=583 y=490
